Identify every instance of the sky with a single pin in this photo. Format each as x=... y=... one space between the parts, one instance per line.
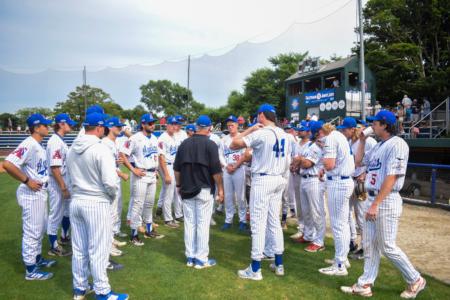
x=65 y=35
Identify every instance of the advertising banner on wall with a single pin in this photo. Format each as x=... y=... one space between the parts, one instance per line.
x=318 y=97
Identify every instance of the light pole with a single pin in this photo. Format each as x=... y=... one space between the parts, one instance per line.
x=362 y=75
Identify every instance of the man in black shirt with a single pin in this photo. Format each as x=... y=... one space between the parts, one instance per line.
x=197 y=171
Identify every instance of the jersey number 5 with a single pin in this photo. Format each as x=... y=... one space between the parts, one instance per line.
x=278 y=148
x=373 y=179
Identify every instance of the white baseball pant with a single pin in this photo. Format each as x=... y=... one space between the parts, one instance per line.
x=169 y=196
x=312 y=192
x=197 y=219
x=293 y=190
x=91 y=243
x=357 y=208
x=59 y=207
x=34 y=218
x=339 y=193
x=380 y=238
x=143 y=200
x=130 y=203
x=115 y=219
x=265 y=206
x=234 y=185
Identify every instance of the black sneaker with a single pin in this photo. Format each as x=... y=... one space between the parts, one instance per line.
x=353 y=246
x=135 y=240
x=153 y=235
x=357 y=255
x=113 y=266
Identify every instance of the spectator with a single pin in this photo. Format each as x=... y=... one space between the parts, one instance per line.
x=406 y=102
x=377 y=107
x=400 y=113
x=426 y=107
x=335 y=83
x=415 y=111
x=10 y=124
x=415 y=131
x=314 y=117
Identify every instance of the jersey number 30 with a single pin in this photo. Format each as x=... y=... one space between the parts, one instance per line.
x=278 y=148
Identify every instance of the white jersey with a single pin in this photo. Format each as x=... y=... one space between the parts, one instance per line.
x=388 y=157
x=226 y=155
x=168 y=147
x=271 y=151
x=114 y=148
x=215 y=138
x=370 y=143
x=313 y=153
x=180 y=136
x=337 y=146
x=56 y=153
x=31 y=158
x=143 y=149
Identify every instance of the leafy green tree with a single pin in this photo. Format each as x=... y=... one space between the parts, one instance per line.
x=134 y=113
x=74 y=104
x=4 y=120
x=168 y=98
x=407 y=47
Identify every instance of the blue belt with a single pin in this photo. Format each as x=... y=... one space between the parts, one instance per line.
x=262 y=174
x=373 y=193
x=168 y=163
x=338 y=177
x=309 y=176
x=150 y=170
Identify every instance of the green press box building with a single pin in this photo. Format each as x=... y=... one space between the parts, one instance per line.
x=328 y=91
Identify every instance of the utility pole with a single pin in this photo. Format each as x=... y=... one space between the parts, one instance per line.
x=362 y=75
x=188 y=81
x=84 y=91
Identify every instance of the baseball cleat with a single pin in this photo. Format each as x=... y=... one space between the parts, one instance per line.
x=59 y=251
x=136 y=241
x=153 y=235
x=115 y=252
x=121 y=234
x=279 y=270
x=312 y=248
x=414 y=289
x=113 y=266
x=357 y=255
x=190 y=262
x=171 y=224
x=65 y=240
x=297 y=235
x=242 y=226
x=201 y=265
x=37 y=274
x=249 y=274
x=226 y=226
x=212 y=223
x=301 y=240
x=334 y=270
x=353 y=246
x=332 y=261
x=118 y=243
x=356 y=289
x=267 y=257
x=45 y=263
x=79 y=294
x=111 y=296
x=180 y=220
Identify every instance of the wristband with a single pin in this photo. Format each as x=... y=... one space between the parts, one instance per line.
x=26 y=180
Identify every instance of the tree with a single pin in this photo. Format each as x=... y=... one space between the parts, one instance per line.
x=4 y=120
x=23 y=113
x=168 y=98
x=74 y=104
x=408 y=47
x=134 y=113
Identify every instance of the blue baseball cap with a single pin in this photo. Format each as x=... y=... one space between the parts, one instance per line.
x=180 y=118
x=37 y=119
x=173 y=121
x=95 y=119
x=266 y=108
x=147 y=118
x=384 y=115
x=231 y=118
x=114 y=122
x=315 y=126
x=289 y=126
x=362 y=122
x=203 y=121
x=348 y=122
x=190 y=127
x=65 y=118
x=95 y=109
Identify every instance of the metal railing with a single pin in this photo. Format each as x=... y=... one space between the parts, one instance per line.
x=429 y=116
x=434 y=168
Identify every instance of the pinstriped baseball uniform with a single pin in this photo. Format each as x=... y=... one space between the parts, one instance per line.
x=115 y=218
x=293 y=186
x=312 y=195
x=340 y=188
x=144 y=150
x=124 y=144
x=270 y=162
x=168 y=147
x=31 y=158
x=357 y=206
x=93 y=177
x=234 y=184
x=388 y=157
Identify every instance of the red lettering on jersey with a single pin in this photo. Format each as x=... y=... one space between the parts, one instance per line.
x=161 y=145
x=57 y=155
x=127 y=144
x=19 y=152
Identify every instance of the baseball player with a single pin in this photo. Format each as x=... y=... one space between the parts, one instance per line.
x=197 y=172
x=168 y=146
x=91 y=109
x=190 y=130
x=143 y=147
x=351 y=132
x=28 y=164
x=386 y=167
x=112 y=131
x=58 y=186
x=339 y=165
x=233 y=177
x=94 y=186
x=270 y=163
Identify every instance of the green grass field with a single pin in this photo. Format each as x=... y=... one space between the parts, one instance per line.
x=158 y=271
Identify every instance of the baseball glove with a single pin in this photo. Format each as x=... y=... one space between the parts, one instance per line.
x=360 y=191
